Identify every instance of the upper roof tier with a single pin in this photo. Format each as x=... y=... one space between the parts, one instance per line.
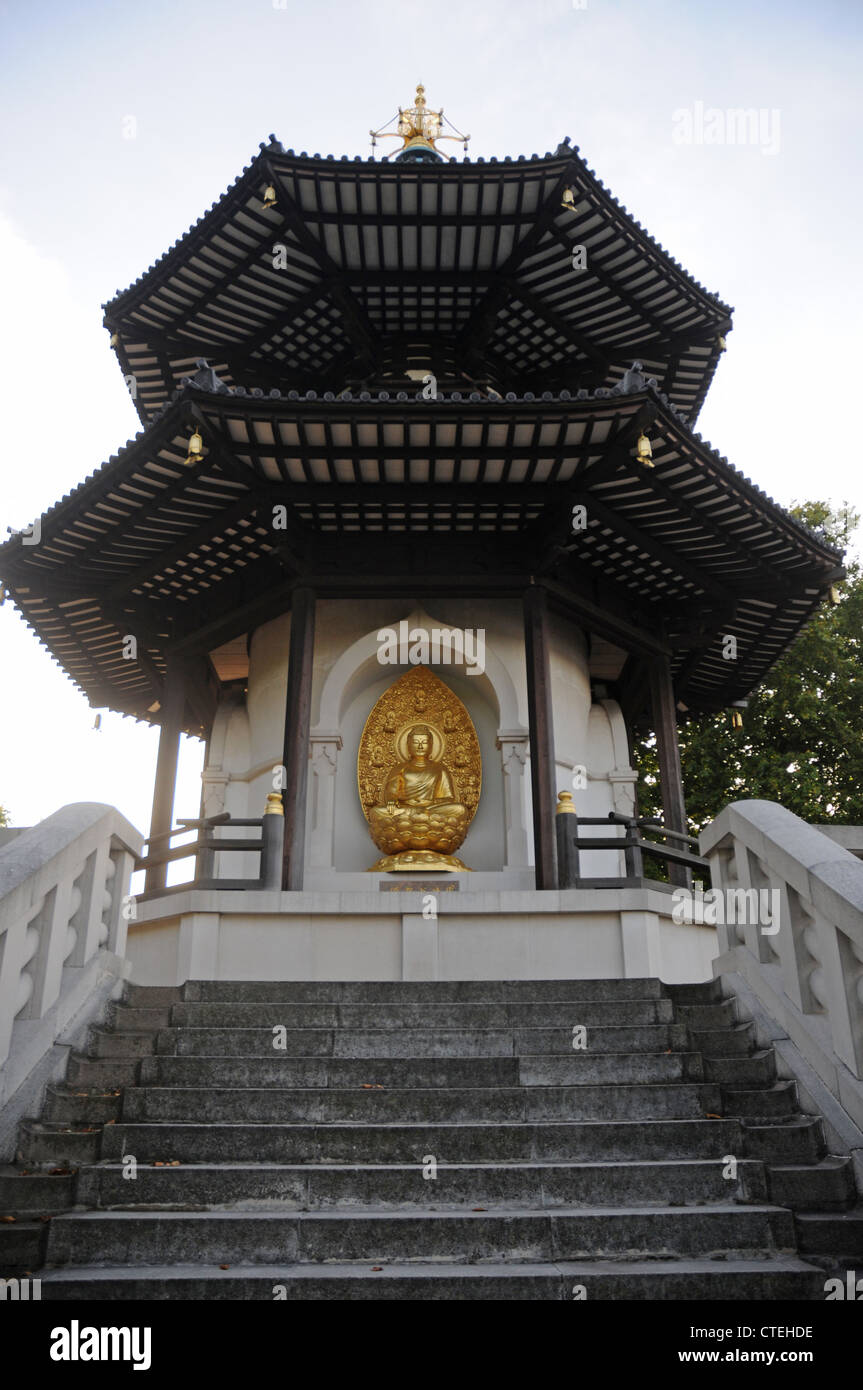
x=367 y=273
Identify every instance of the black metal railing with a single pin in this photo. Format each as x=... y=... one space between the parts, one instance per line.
x=207 y=845
x=632 y=844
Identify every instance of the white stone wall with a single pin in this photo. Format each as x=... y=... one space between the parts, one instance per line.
x=362 y=935
x=348 y=679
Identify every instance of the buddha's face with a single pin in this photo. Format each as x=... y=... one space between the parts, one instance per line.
x=419 y=742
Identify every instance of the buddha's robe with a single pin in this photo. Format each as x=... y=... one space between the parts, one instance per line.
x=419 y=786
x=419 y=810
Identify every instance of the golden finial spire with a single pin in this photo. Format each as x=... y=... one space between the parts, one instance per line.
x=419 y=129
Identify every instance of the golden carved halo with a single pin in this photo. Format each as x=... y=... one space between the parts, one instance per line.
x=418 y=697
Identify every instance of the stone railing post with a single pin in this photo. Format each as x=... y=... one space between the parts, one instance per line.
x=804 y=958
x=62 y=889
x=119 y=906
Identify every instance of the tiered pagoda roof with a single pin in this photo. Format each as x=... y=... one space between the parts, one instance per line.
x=466 y=267
x=309 y=401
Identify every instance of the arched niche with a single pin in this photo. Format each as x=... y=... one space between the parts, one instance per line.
x=358 y=667
x=337 y=833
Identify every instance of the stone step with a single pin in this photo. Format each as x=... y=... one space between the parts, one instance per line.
x=409 y=1106
x=412 y=1042
x=756 y=1280
x=417 y=991
x=837 y=1234
x=38 y=1193
x=534 y=1185
x=706 y=992
x=762 y=1102
x=826 y=1186
x=309 y=1166
x=759 y=1069
x=152 y=996
x=280 y=1069
x=65 y=1104
x=560 y=1014
x=587 y=1141
x=799 y=1139
x=421 y=1072
x=100 y=1073
x=738 y=1041
x=706 y=1017
x=22 y=1245
x=103 y=1043
x=215 y=1237
x=129 y=1018
x=55 y=1145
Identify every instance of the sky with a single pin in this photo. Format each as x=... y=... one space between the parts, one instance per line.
x=123 y=123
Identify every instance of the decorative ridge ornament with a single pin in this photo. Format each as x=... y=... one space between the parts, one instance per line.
x=419 y=128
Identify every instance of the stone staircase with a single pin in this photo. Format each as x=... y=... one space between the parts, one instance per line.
x=427 y=1141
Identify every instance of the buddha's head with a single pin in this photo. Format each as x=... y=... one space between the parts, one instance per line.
x=419 y=741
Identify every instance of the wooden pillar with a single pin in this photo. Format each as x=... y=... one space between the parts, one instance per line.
x=668 y=753
x=542 y=776
x=298 y=708
x=172 y=712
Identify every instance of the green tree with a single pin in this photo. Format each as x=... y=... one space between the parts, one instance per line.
x=802 y=738
x=4 y=816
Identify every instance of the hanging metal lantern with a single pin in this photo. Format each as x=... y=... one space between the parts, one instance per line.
x=643 y=451
x=196 y=448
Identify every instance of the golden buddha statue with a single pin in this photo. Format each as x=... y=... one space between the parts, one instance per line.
x=420 y=810
x=415 y=813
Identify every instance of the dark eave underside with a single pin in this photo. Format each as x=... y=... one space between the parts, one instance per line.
x=473 y=259
x=415 y=490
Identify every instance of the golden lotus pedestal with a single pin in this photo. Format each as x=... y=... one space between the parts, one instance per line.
x=419 y=861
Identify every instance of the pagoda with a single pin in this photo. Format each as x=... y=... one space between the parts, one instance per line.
x=413 y=394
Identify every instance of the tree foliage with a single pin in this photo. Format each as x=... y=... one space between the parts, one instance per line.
x=802 y=738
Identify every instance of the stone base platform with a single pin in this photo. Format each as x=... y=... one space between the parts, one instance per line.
x=406 y=930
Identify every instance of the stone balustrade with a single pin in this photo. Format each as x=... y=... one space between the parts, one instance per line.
x=64 y=912
x=800 y=966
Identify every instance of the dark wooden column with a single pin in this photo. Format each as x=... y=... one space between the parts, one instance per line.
x=542 y=776
x=172 y=712
x=298 y=709
x=668 y=753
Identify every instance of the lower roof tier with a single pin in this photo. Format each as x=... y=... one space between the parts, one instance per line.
x=186 y=551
